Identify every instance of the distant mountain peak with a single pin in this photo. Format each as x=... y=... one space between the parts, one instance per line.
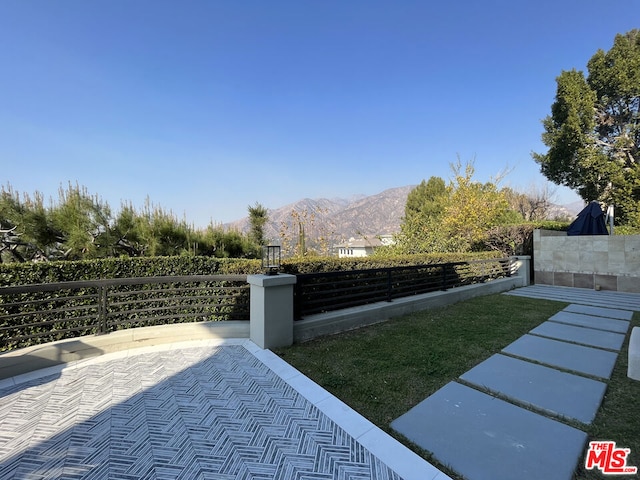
x=340 y=218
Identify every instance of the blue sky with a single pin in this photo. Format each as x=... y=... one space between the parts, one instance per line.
x=207 y=107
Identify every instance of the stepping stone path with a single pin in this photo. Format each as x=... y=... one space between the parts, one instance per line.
x=507 y=417
x=569 y=356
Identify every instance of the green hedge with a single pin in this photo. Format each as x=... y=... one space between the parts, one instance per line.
x=323 y=264
x=63 y=271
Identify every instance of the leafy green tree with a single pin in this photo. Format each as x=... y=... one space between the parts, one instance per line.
x=474 y=208
x=128 y=233
x=82 y=222
x=161 y=231
x=25 y=228
x=75 y=227
x=427 y=199
x=212 y=241
x=455 y=218
x=217 y=242
x=422 y=235
x=81 y=226
x=421 y=226
x=593 y=132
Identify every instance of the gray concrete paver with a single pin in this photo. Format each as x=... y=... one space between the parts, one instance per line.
x=590 y=321
x=529 y=384
x=583 y=335
x=485 y=438
x=568 y=356
x=600 y=311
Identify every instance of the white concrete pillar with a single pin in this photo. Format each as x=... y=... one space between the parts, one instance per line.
x=271 y=310
x=522 y=268
x=633 y=367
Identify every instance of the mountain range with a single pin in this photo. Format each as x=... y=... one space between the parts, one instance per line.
x=339 y=219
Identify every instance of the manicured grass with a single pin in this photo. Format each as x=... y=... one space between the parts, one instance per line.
x=384 y=370
x=619 y=416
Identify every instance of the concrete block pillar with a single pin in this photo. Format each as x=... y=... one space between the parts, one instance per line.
x=271 y=310
x=522 y=268
x=633 y=367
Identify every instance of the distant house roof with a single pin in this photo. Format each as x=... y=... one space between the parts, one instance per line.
x=361 y=243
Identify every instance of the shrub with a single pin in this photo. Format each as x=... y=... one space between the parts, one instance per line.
x=63 y=271
x=517 y=239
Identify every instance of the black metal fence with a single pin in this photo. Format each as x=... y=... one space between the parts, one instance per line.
x=323 y=292
x=34 y=314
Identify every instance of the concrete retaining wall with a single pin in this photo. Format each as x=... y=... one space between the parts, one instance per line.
x=24 y=360
x=607 y=262
x=351 y=318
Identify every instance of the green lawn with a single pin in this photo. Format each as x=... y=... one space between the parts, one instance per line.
x=383 y=370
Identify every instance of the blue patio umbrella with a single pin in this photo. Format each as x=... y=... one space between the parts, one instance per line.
x=590 y=221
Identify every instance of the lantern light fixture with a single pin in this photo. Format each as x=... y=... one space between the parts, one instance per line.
x=271 y=259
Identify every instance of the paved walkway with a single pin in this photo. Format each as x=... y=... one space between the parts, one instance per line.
x=203 y=410
x=511 y=416
x=582 y=296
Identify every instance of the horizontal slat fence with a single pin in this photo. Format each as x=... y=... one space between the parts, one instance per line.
x=329 y=291
x=35 y=314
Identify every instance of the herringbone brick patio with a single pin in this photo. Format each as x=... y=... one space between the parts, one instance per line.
x=206 y=412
